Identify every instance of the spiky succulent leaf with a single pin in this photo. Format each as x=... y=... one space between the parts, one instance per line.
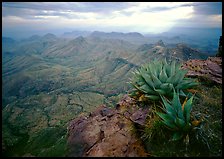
x=145 y=88
x=185 y=84
x=167 y=120
x=177 y=105
x=152 y=97
x=187 y=109
x=172 y=70
x=156 y=81
x=177 y=116
x=158 y=68
x=180 y=122
x=160 y=91
x=182 y=93
x=168 y=87
x=161 y=77
x=168 y=108
x=148 y=80
x=172 y=78
x=179 y=77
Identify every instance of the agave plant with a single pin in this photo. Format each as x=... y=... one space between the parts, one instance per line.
x=177 y=116
x=158 y=78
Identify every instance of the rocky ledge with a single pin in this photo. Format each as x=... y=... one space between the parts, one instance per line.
x=210 y=69
x=108 y=132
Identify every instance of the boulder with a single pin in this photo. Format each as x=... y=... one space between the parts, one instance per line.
x=210 y=69
x=107 y=132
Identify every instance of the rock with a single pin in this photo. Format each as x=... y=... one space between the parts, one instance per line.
x=131 y=110
x=107 y=132
x=210 y=68
x=139 y=116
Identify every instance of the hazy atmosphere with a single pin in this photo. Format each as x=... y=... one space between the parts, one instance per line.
x=27 y=18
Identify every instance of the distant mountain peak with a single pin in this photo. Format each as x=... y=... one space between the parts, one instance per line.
x=135 y=34
x=117 y=34
x=50 y=36
x=34 y=37
x=8 y=39
x=160 y=43
x=75 y=34
x=79 y=40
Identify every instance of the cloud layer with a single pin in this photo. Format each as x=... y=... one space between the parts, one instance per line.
x=109 y=16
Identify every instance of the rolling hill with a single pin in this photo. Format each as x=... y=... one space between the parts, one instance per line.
x=48 y=80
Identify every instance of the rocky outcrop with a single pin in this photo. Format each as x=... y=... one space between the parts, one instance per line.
x=210 y=69
x=107 y=132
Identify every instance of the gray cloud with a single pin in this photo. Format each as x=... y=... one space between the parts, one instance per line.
x=164 y=8
x=208 y=8
x=205 y=8
x=98 y=7
x=28 y=16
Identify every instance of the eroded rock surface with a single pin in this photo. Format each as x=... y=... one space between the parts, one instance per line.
x=210 y=68
x=107 y=132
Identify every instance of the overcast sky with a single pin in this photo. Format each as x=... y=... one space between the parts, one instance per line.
x=143 y=17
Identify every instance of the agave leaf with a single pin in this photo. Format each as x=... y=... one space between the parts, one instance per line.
x=187 y=78
x=152 y=97
x=138 y=88
x=177 y=105
x=158 y=68
x=187 y=109
x=160 y=91
x=178 y=77
x=179 y=122
x=148 y=80
x=173 y=64
x=167 y=120
x=182 y=93
x=168 y=87
x=163 y=76
x=156 y=81
x=152 y=70
x=147 y=89
x=190 y=85
x=169 y=109
x=172 y=78
x=177 y=136
x=168 y=71
x=138 y=82
x=183 y=84
x=165 y=62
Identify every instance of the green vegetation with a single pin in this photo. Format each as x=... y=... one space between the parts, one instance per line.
x=183 y=130
x=49 y=142
x=177 y=116
x=158 y=78
x=203 y=140
x=29 y=119
x=47 y=83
